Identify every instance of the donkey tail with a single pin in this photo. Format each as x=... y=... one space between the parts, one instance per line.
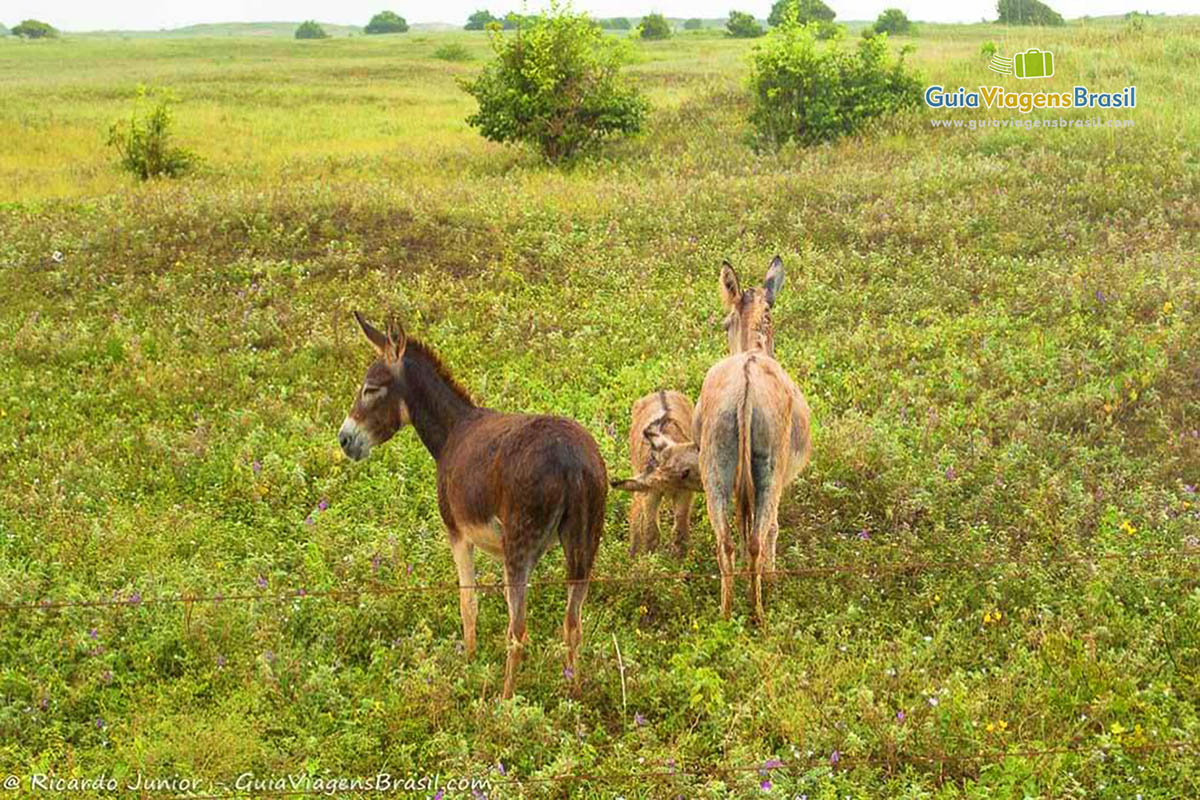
x=745 y=493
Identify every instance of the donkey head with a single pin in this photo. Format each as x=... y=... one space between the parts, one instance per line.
x=748 y=324
x=673 y=466
x=379 y=409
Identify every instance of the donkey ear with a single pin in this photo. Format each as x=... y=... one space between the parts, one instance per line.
x=657 y=439
x=376 y=336
x=731 y=290
x=397 y=341
x=774 y=281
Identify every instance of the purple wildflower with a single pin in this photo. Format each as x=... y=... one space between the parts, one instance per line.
x=375 y=562
x=639 y=720
x=950 y=473
x=256 y=466
x=772 y=763
x=269 y=655
x=99 y=724
x=93 y=634
x=835 y=757
x=900 y=716
x=500 y=767
x=220 y=661
x=45 y=703
x=300 y=592
x=1190 y=488
x=107 y=676
x=568 y=673
x=260 y=582
x=323 y=505
x=1100 y=296
x=308 y=520
x=441 y=794
x=864 y=535
x=135 y=598
x=933 y=701
x=765 y=785
x=410 y=568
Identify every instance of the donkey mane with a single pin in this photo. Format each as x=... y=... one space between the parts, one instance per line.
x=419 y=351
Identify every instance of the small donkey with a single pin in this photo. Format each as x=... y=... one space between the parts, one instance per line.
x=665 y=464
x=510 y=483
x=752 y=426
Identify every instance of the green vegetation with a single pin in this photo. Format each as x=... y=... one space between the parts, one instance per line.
x=809 y=92
x=997 y=331
x=616 y=24
x=892 y=21
x=693 y=24
x=310 y=30
x=654 y=27
x=1027 y=12
x=144 y=141
x=988 y=49
x=35 y=29
x=386 y=22
x=453 y=51
x=556 y=86
x=805 y=11
x=479 y=20
x=742 y=25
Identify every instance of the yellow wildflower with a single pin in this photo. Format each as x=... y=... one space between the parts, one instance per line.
x=1117 y=729
x=1168 y=307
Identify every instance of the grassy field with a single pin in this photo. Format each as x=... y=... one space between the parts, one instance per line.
x=998 y=332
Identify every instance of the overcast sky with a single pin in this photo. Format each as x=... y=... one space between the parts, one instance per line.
x=82 y=15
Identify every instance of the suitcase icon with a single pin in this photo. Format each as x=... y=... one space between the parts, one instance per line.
x=1033 y=63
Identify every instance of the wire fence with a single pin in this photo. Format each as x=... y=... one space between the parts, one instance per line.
x=374 y=588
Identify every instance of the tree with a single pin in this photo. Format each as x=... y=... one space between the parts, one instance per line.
x=309 y=29
x=35 y=29
x=386 y=22
x=616 y=24
x=693 y=24
x=742 y=25
x=479 y=20
x=1027 y=12
x=655 y=26
x=894 y=21
x=556 y=85
x=806 y=11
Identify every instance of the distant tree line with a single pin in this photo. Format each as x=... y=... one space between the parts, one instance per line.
x=34 y=29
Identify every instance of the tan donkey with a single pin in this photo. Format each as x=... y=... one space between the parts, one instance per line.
x=666 y=465
x=752 y=426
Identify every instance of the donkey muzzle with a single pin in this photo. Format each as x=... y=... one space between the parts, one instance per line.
x=354 y=441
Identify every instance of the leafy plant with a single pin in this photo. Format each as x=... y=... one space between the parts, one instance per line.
x=742 y=25
x=693 y=24
x=805 y=11
x=386 y=22
x=654 y=26
x=453 y=51
x=35 y=29
x=988 y=49
x=144 y=141
x=893 y=21
x=1027 y=12
x=555 y=85
x=616 y=24
x=479 y=20
x=811 y=92
x=311 y=30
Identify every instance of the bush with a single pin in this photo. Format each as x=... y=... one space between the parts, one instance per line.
x=311 y=30
x=555 y=85
x=616 y=24
x=479 y=20
x=892 y=21
x=655 y=26
x=453 y=52
x=806 y=11
x=693 y=24
x=144 y=141
x=1027 y=12
x=35 y=29
x=810 y=92
x=386 y=22
x=987 y=50
x=743 y=26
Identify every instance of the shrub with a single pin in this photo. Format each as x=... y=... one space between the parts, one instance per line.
x=311 y=30
x=479 y=20
x=513 y=20
x=810 y=92
x=655 y=26
x=616 y=24
x=453 y=51
x=693 y=24
x=386 y=22
x=743 y=26
x=144 y=141
x=555 y=85
x=1027 y=12
x=35 y=29
x=892 y=21
x=987 y=50
x=806 y=11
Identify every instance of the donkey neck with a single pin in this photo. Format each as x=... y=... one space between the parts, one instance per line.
x=436 y=403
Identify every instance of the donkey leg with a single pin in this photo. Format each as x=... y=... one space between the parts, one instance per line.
x=647 y=529
x=725 y=547
x=683 y=522
x=468 y=603
x=573 y=629
x=754 y=555
x=515 y=591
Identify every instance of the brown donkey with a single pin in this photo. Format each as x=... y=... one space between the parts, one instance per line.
x=752 y=426
x=665 y=464
x=509 y=483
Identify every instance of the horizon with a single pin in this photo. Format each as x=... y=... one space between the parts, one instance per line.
x=77 y=16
